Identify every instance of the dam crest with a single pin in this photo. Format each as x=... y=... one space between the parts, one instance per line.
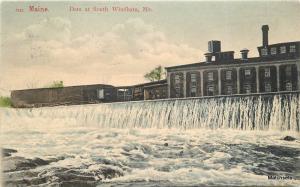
x=276 y=112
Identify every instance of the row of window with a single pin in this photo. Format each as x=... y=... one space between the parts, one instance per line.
x=282 y=50
x=211 y=89
x=247 y=87
x=157 y=94
x=229 y=89
x=267 y=87
x=228 y=75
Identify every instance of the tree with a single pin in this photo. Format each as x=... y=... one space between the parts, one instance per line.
x=5 y=101
x=56 y=84
x=156 y=74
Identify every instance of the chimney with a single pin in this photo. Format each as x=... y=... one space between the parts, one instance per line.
x=208 y=57
x=214 y=46
x=265 y=30
x=244 y=54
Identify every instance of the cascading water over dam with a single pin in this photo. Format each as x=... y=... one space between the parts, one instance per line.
x=244 y=113
x=180 y=142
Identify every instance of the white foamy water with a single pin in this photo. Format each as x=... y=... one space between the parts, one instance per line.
x=184 y=142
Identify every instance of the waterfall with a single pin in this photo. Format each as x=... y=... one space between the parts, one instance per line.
x=244 y=113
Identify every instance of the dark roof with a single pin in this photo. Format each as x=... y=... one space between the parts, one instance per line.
x=236 y=61
x=91 y=85
x=156 y=85
x=283 y=43
x=145 y=84
x=151 y=83
x=287 y=56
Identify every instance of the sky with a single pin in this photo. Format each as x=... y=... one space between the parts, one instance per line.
x=118 y=48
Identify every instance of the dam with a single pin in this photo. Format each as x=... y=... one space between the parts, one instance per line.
x=172 y=142
x=252 y=112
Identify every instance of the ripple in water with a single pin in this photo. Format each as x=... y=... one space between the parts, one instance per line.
x=149 y=157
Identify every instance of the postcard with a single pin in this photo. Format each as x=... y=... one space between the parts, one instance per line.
x=150 y=93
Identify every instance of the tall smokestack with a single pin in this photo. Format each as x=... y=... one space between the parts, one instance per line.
x=265 y=30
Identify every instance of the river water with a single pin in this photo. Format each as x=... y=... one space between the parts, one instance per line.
x=213 y=142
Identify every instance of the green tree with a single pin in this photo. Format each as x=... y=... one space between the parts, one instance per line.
x=156 y=74
x=5 y=101
x=56 y=84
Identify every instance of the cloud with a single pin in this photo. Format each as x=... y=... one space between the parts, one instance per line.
x=49 y=29
x=47 y=51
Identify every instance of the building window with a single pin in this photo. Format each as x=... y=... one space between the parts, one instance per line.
x=288 y=71
x=228 y=75
x=273 y=51
x=193 y=84
x=210 y=76
x=264 y=52
x=100 y=93
x=124 y=94
x=177 y=79
x=157 y=94
x=229 y=90
x=164 y=93
x=247 y=72
x=213 y=58
x=267 y=72
x=210 y=90
x=268 y=87
x=193 y=92
x=288 y=86
x=137 y=90
x=292 y=49
x=193 y=79
x=247 y=88
x=177 y=90
x=283 y=49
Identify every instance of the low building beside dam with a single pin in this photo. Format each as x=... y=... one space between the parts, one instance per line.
x=71 y=95
x=275 y=70
x=157 y=90
x=88 y=94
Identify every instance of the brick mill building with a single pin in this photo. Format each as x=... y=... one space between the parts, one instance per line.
x=277 y=69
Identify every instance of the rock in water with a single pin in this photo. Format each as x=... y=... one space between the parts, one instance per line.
x=289 y=138
x=21 y=163
x=7 y=152
x=18 y=163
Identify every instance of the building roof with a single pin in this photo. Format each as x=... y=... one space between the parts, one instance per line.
x=269 y=58
x=91 y=85
x=151 y=83
x=282 y=43
x=156 y=85
x=234 y=61
x=145 y=84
